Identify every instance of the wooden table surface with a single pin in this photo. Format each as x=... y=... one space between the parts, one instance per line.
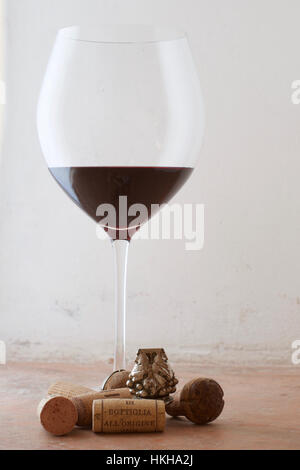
x=262 y=410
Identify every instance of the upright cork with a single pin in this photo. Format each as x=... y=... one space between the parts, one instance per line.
x=84 y=403
x=58 y=415
x=128 y=416
x=68 y=390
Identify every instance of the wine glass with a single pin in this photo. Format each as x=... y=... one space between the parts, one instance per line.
x=120 y=116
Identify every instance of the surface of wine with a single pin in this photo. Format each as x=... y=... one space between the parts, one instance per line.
x=89 y=187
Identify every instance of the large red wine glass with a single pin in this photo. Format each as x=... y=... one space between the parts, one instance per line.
x=120 y=114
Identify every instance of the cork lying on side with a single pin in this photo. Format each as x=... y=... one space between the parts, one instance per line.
x=84 y=403
x=68 y=390
x=128 y=416
x=58 y=415
x=201 y=401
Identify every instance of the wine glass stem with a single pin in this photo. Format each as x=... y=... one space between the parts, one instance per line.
x=120 y=248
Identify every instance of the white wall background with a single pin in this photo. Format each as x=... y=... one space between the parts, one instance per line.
x=238 y=300
x=2 y=75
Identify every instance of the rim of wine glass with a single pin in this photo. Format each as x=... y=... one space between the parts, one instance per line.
x=122 y=34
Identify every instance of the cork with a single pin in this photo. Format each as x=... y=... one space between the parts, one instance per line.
x=58 y=415
x=128 y=416
x=115 y=380
x=68 y=390
x=84 y=403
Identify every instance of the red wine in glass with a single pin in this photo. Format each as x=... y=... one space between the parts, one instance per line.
x=89 y=187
